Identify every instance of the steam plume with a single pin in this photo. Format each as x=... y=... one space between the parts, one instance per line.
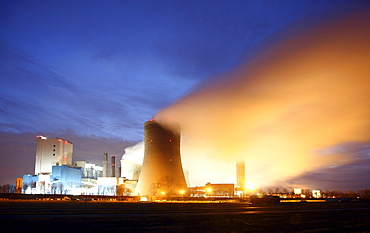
x=300 y=96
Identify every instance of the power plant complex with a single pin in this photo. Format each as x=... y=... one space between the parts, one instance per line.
x=156 y=173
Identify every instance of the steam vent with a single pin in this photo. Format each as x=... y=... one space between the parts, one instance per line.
x=161 y=173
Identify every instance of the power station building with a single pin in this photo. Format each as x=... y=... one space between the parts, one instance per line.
x=161 y=172
x=52 y=152
x=55 y=173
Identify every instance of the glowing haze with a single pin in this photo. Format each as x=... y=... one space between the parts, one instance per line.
x=282 y=109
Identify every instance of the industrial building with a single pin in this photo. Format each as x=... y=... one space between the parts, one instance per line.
x=55 y=173
x=156 y=173
x=62 y=180
x=52 y=152
x=213 y=190
x=161 y=172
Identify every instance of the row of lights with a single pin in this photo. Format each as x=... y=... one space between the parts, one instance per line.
x=181 y=192
x=249 y=186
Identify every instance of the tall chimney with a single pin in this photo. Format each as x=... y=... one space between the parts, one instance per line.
x=113 y=168
x=105 y=165
x=240 y=175
x=161 y=173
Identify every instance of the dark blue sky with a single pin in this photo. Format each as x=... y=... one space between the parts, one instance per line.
x=93 y=72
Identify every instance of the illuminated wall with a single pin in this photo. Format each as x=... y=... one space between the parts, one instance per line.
x=89 y=170
x=52 y=152
x=29 y=183
x=69 y=176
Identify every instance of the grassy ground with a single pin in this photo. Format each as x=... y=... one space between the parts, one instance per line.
x=32 y=216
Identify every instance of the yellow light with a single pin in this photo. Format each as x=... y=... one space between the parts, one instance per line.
x=182 y=191
x=163 y=193
x=209 y=190
x=250 y=185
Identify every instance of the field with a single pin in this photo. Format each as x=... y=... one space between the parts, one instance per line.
x=69 y=216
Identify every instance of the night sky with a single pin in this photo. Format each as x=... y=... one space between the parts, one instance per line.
x=92 y=72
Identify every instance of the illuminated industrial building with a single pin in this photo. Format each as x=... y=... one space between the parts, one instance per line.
x=55 y=173
x=62 y=180
x=161 y=171
x=89 y=170
x=52 y=152
x=213 y=190
x=90 y=174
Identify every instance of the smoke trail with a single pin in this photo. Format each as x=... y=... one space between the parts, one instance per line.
x=305 y=94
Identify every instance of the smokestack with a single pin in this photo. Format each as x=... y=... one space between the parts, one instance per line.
x=113 y=168
x=240 y=175
x=105 y=165
x=162 y=171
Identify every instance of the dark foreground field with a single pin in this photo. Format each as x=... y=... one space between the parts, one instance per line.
x=32 y=216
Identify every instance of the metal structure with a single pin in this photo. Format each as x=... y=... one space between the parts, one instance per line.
x=161 y=173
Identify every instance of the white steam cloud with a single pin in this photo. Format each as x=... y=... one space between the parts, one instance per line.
x=132 y=160
x=303 y=95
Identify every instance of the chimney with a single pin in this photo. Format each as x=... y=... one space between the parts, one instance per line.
x=113 y=168
x=105 y=165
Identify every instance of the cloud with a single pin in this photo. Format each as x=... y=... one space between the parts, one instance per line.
x=304 y=94
x=35 y=98
x=348 y=177
x=134 y=153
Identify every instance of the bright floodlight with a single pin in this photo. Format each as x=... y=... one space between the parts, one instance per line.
x=250 y=185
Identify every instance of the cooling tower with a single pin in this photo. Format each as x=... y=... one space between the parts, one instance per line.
x=161 y=173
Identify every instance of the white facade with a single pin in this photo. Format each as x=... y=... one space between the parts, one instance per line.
x=108 y=185
x=52 y=152
x=62 y=180
x=89 y=170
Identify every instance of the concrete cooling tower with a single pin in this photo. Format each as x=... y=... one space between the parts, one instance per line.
x=161 y=173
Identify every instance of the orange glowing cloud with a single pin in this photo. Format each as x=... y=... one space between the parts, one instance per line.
x=305 y=94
